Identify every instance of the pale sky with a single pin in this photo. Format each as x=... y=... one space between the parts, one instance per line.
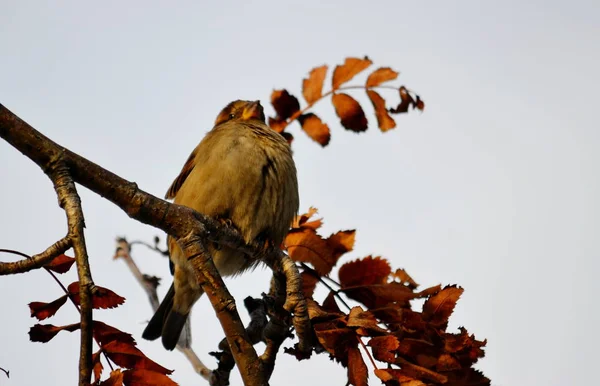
x=494 y=187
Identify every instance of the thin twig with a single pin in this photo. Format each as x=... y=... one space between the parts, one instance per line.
x=5 y=372
x=36 y=261
x=335 y=292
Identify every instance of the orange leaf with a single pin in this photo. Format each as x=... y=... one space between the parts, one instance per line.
x=278 y=125
x=337 y=341
x=420 y=372
x=315 y=128
x=447 y=362
x=115 y=379
x=42 y=310
x=312 y=87
x=384 y=120
x=309 y=283
x=387 y=375
x=345 y=72
x=438 y=308
x=381 y=75
x=284 y=103
x=406 y=101
x=306 y=246
x=330 y=305
x=45 y=332
x=97 y=365
x=142 y=377
x=383 y=348
x=364 y=321
x=341 y=242
x=380 y=295
x=364 y=271
x=101 y=298
x=105 y=333
x=405 y=278
x=357 y=369
x=351 y=114
x=302 y=220
x=419 y=104
x=318 y=314
x=128 y=356
x=60 y=264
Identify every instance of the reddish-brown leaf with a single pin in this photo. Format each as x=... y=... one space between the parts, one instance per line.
x=383 y=348
x=330 y=305
x=312 y=87
x=97 y=365
x=142 y=377
x=341 y=242
x=284 y=103
x=446 y=362
x=405 y=278
x=337 y=341
x=438 y=308
x=384 y=120
x=302 y=220
x=288 y=137
x=419 y=104
x=357 y=369
x=345 y=72
x=381 y=75
x=307 y=246
x=115 y=379
x=128 y=356
x=364 y=271
x=42 y=310
x=45 y=332
x=380 y=295
x=406 y=101
x=364 y=321
x=101 y=298
x=278 y=125
x=318 y=314
x=420 y=372
x=315 y=128
x=351 y=114
x=60 y=264
x=105 y=333
x=309 y=283
x=387 y=375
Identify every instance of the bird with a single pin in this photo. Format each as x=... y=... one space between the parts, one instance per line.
x=242 y=173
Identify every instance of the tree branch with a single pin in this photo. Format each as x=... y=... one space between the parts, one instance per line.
x=36 y=261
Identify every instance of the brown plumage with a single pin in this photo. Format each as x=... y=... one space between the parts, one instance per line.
x=242 y=172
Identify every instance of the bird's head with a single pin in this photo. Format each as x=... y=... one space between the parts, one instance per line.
x=241 y=111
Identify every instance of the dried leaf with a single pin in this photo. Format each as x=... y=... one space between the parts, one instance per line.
x=384 y=120
x=105 y=333
x=142 y=377
x=419 y=104
x=337 y=341
x=45 y=332
x=302 y=220
x=364 y=271
x=383 y=348
x=364 y=321
x=381 y=295
x=405 y=278
x=351 y=114
x=306 y=246
x=309 y=283
x=101 y=298
x=278 y=124
x=446 y=362
x=315 y=128
x=420 y=372
x=317 y=314
x=345 y=72
x=128 y=356
x=284 y=103
x=387 y=375
x=115 y=379
x=97 y=365
x=41 y=310
x=330 y=305
x=406 y=101
x=341 y=242
x=381 y=75
x=60 y=264
x=357 y=369
x=312 y=87
x=438 y=308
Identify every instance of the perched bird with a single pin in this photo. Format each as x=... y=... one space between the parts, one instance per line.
x=241 y=173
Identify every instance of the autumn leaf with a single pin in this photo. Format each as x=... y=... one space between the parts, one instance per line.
x=366 y=271
x=381 y=75
x=305 y=245
x=438 y=308
x=318 y=314
x=337 y=341
x=45 y=332
x=405 y=278
x=315 y=128
x=351 y=114
x=115 y=379
x=101 y=298
x=419 y=104
x=42 y=310
x=312 y=87
x=97 y=365
x=330 y=305
x=384 y=120
x=128 y=356
x=105 y=333
x=406 y=101
x=341 y=242
x=345 y=72
x=395 y=375
x=284 y=103
x=278 y=125
x=364 y=321
x=60 y=264
x=420 y=372
x=446 y=362
x=380 y=295
x=143 y=377
x=301 y=221
x=383 y=348
x=309 y=283
x=357 y=369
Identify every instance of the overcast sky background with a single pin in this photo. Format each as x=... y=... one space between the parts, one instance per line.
x=494 y=187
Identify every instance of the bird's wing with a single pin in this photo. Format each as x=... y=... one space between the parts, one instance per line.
x=185 y=172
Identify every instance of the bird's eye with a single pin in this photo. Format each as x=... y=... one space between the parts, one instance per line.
x=231 y=116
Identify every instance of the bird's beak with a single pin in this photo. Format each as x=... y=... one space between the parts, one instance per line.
x=253 y=111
